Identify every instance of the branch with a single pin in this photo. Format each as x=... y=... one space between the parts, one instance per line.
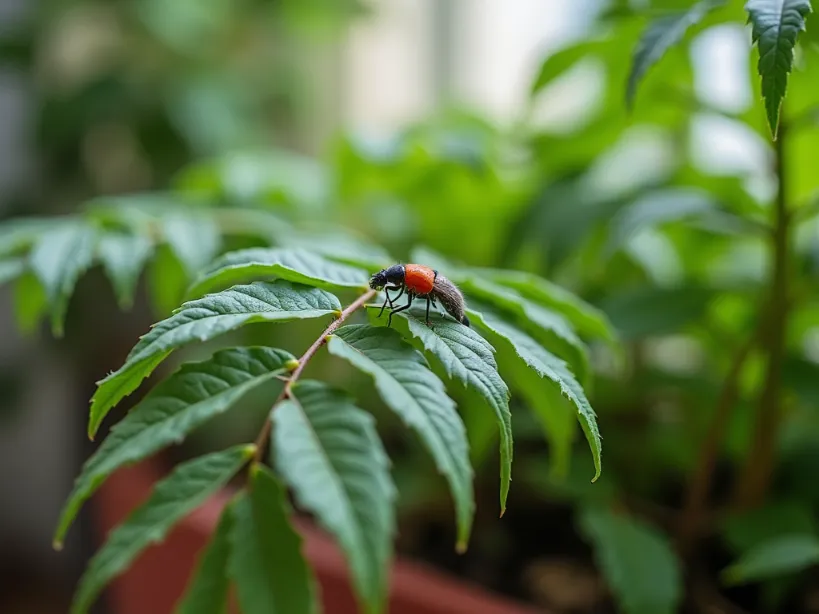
x=264 y=434
x=756 y=475
x=692 y=515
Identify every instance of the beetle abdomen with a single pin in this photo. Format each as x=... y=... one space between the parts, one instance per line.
x=451 y=298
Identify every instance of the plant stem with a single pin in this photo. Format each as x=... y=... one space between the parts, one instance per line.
x=264 y=434
x=756 y=475
x=695 y=502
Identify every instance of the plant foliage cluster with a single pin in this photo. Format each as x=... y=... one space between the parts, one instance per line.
x=679 y=262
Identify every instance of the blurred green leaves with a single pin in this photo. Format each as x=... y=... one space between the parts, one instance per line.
x=773 y=558
x=663 y=33
x=636 y=560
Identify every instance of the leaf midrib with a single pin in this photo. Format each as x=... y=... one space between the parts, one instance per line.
x=339 y=483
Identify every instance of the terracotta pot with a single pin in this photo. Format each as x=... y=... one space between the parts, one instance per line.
x=157 y=579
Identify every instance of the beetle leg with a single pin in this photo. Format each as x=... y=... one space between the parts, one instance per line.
x=410 y=297
x=390 y=300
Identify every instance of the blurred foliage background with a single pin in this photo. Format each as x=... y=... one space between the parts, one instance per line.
x=221 y=126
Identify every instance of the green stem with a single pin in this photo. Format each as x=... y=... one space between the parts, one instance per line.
x=691 y=520
x=755 y=477
x=264 y=434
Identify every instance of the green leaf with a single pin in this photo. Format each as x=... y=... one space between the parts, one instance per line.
x=166 y=282
x=188 y=486
x=328 y=451
x=637 y=561
x=341 y=247
x=776 y=26
x=30 y=302
x=776 y=557
x=587 y=319
x=662 y=34
x=486 y=281
x=557 y=416
x=563 y=60
x=11 y=269
x=412 y=391
x=193 y=238
x=645 y=311
x=207 y=590
x=296 y=265
x=58 y=259
x=549 y=327
x=546 y=365
x=204 y=319
x=18 y=235
x=746 y=530
x=655 y=209
x=123 y=257
x=469 y=358
x=196 y=393
x=266 y=562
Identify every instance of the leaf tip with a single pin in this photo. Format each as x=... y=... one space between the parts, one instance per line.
x=57 y=544
x=461 y=547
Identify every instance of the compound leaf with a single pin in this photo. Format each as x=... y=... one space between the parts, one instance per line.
x=266 y=562
x=186 y=488
x=196 y=393
x=204 y=319
x=406 y=384
x=328 y=451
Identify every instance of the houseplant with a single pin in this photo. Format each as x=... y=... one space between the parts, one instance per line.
x=736 y=217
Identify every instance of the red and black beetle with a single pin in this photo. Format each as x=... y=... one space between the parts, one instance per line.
x=419 y=281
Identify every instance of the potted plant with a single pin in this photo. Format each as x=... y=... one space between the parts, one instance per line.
x=232 y=256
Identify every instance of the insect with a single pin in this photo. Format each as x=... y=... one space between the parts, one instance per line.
x=419 y=281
